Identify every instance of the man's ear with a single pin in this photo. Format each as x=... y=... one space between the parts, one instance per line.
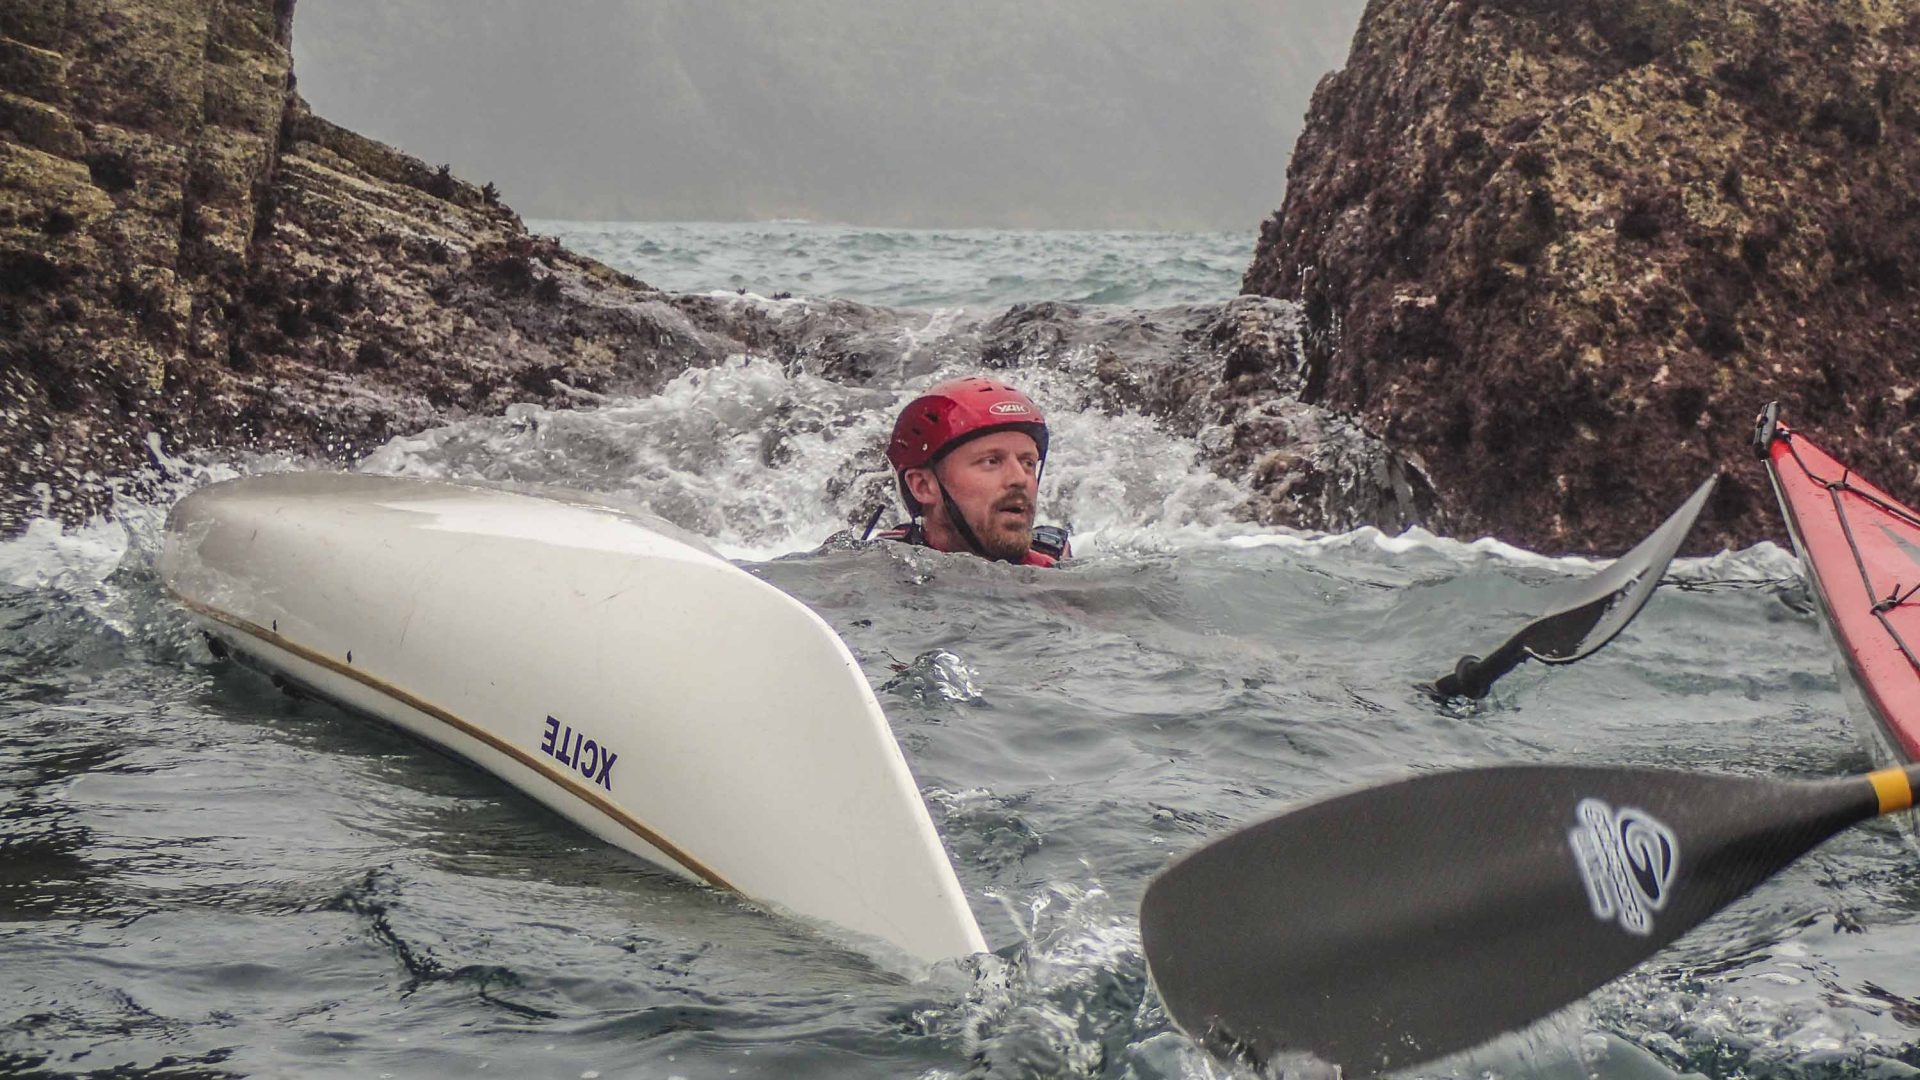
x=923 y=487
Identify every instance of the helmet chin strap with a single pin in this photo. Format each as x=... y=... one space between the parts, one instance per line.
x=959 y=521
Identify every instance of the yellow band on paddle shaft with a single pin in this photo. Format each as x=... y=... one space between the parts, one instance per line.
x=1892 y=787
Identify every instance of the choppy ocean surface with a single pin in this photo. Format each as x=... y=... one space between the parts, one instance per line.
x=201 y=877
x=970 y=268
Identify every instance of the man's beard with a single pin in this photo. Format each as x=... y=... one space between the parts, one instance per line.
x=1001 y=537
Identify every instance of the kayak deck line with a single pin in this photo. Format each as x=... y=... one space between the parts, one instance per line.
x=1856 y=686
x=1843 y=486
x=273 y=637
x=1860 y=549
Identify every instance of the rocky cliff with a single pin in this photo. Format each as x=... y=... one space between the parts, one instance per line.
x=187 y=253
x=185 y=250
x=1563 y=252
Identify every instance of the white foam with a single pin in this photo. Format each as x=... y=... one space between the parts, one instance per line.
x=49 y=555
x=763 y=462
x=1764 y=561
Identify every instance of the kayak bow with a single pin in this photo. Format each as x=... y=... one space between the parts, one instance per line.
x=1861 y=550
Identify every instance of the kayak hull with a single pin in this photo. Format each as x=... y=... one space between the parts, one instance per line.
x=642 y=687
x=1860 y=548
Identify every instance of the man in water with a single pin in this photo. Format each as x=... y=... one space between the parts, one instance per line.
x=967 y=455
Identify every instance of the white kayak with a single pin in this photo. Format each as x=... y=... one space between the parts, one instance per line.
x=638 y=684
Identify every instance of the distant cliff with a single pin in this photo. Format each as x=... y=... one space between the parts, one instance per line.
x=1563 y=252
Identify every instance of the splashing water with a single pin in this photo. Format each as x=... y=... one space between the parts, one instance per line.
x=201 y=876
x=762 y=462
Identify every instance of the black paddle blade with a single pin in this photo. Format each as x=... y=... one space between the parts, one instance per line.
x=1588 y=614
x=1396 y=924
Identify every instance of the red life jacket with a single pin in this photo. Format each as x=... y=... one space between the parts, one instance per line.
x=1048 y=547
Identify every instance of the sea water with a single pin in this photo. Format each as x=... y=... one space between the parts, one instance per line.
x=972 y=268
x=203 y=877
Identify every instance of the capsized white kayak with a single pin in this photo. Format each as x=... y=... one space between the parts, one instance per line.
x=641 y=686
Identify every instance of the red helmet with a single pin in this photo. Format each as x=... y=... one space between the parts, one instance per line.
x=952 y=413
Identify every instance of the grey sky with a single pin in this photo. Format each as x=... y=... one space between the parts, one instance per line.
x=1054 y=113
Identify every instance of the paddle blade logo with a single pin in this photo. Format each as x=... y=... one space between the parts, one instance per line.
x=1627 y=860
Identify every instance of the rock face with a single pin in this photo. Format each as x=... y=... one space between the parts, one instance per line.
x=1228 y=376
x=389 y=296
x=186 y=250
x=1563 y=252
x=140 y=139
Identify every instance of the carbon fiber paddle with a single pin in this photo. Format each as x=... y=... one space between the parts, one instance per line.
x=1400 y=923
x=1588 y=614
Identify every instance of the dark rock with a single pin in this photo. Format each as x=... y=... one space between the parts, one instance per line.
x=188 y=251
x=110 y=171
x=442 y=185
x=1562 y=252
x=25 y=272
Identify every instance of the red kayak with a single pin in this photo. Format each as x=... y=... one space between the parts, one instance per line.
x=1861 y=550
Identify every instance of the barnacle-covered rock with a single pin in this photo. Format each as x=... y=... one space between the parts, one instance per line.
x=1563 y=252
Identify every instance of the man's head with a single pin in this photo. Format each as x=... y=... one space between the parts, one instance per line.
x=968 y=455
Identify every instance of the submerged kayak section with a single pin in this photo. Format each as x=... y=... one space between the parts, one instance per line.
x=1861 y=550
x=640 y=686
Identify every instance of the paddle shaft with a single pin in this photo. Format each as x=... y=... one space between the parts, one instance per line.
x=1474 y=676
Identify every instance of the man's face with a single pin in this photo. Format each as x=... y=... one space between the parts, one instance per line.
x=994 y=480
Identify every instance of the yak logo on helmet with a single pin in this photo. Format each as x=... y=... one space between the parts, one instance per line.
x=1627 y=860
x=1009 y=408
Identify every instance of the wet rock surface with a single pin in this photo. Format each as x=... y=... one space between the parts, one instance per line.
x=191 y=260
x=1228 y=375
x=186 y=251
x=1562 y=253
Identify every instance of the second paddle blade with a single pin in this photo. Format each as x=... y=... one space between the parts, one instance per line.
x=1628 y=582
x=1588 y=614
x=1397 y=924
